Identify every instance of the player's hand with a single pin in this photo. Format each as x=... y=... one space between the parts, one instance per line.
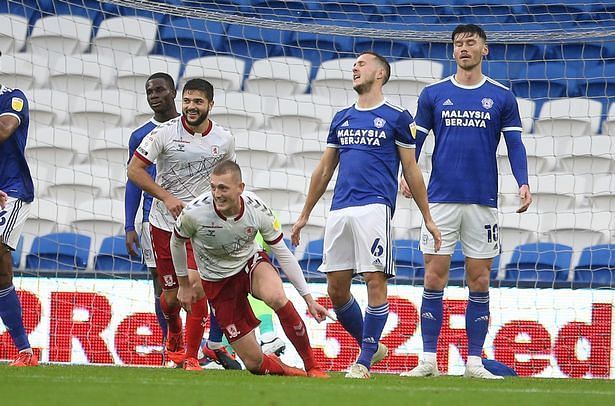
x=3 y=199
x=186 y=295
x=318 y=311
x=132 y=243
x=435 y=232
x=295 y=232
x=174 y=205
x=526 y=198
x=405 y=189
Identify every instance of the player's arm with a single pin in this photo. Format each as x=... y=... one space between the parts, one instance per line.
x=318 y=185
x=518 y=163
x=132 y=200
x=8 y=125
x=293 y=271
x=414 y=178
x=186 y=294
x=3 y=199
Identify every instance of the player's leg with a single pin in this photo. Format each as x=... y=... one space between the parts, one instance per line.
x=12 y=219
x=259 y=363
x=150 y=261
x=437 y=264
x=270 y=342
x=338 y=265
x=479 y=238
x=267 y=286
x=196 y=319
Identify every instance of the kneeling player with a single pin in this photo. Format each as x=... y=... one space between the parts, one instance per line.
x=222 y=225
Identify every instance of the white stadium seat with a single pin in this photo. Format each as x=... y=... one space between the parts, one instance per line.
x=47 y=107
x=100 y=109
x=551 y=192
x=260 y=150
x=240 y=110
x=125 y=37
x=334 y=82
x=24 y=70
x=74 y=184
x=300 y=114
x=407 y=220
x=410 y=76
x=303 y=153
x=589 y=155
x=527 y=109
x=541 y=155
x=60 y=35
x=223 y=72
x=133 y=71
x=602 y=197
x=608 y=127
x=99 y=218
x=578 y=229
x=57 y=146
x=569 y=117
x=79 y=73
x=13 y=31
x=277 y=188
x=278 y=76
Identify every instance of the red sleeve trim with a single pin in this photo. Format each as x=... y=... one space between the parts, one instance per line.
x=144 y=159
x=277 y=240
x=178 y=235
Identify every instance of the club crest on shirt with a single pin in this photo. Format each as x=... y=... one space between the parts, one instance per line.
x=250 y=231
x=487 y=102
x=16 y=103
x=215 y=150
x=379 y=122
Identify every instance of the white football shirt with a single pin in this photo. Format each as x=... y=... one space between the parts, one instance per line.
x=222 y=246
x=184 y=162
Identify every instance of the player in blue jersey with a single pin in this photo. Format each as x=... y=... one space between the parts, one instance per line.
x=466 y=112
x=369 y=140
x=18 y=188
x=160 y=93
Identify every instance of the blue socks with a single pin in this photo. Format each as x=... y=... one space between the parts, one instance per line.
x=215 y=333
x=162 y=322
x=375 y=319
x=351 y=318
x=477 y=322
x=431 y=319
x=10 y=312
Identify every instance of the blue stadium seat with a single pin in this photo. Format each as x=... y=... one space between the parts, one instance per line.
x=32 y=10
x=222 y=6
x=508 y=52
x=253 y=42
x=312 y=257
x=409 y=263
x=113 y=256
x=390 y=48
x=279 y=9
x=16 y=255
x=544 y=263
x=503 y=72
x=480 y=12
x=596 y=267
x=355 y=10
x=92 y=9
x=113 y=10
x=189 y=38
x=415 y=12
x=560 y=12
x=59 y=251
x=541 y=80
x=598 y=81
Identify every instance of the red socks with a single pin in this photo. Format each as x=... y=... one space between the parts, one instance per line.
x=295 y=330
x=270 y=367
x=195 y=326
x=171 y=314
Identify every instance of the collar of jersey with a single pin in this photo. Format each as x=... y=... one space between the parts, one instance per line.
x=191 y=131
x=223 y=217
x=476 y=86
x=370 y=108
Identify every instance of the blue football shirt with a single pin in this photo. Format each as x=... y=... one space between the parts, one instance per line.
x=15 y=178
x=467 y=122
x=367 y=141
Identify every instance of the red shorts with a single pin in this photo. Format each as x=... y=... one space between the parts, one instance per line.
x=161 y=242
x=228 y=299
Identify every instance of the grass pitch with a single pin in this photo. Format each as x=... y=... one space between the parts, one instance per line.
x=89 y=385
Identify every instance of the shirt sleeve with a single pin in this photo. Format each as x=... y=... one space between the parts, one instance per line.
x=332 y=139
x=269 y=226
x=184 y=225
x=152 y=145
x=511 y=120
x=423 y=120
x=132 y=195
x=15 y=104
x=405 y=130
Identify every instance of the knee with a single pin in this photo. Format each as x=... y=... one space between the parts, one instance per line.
x=6 y=269
x=479 y=283
x=434 y=281
x=276 y=299
x=253 y=363
x=339 y=295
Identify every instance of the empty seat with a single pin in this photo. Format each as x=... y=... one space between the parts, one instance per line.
x=252 y=42
x=516 y=229
x=223 y=72
x=572 y=117
x=304 y=154
x=578 y=229
x=113 y=256
x=334 y=82
x=277 y=188
x=133 y=72
x=60 y=35
x=260 y=150
x=239 y=110
x=407 y=220
x=124 y=37
x=189 y=38
x=527 y=110
x=541 y=155
x=550 y=79
x=79 y=73
x=24 y=70
x=589 y=154
x=539 y=262
x=72 y=185
x=300 y=114
x=99 y=218
x=13 y=30
x=596 y=266
x=312 y=256
x=551 y=192
x=47 y=107
x=608 y=127
x=602 y=196
x=59 y=251
x=409 y=77
x=16 y=253
x=278 y=76
x=99 y=109
x=57 y=146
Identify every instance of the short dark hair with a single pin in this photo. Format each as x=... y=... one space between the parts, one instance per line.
x=385 y=64
x=202 y=85
x=227 y=166
x=470 y=29
x=164 y=76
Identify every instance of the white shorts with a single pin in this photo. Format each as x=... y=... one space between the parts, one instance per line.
x=476 y=226
x=359 y=238
x=12 y=219
x=146 y=246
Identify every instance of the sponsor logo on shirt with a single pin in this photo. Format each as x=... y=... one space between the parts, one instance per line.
x=448 y=102
x=345 y=124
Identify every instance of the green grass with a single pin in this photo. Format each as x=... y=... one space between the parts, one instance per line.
x=88 y=385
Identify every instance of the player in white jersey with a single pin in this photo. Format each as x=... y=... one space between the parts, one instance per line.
x=467 y=113
x=185 y=149
x=222 y=225
x=369 y=140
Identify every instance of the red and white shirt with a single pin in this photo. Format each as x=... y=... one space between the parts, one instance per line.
x=222 y=246
x=184 y=162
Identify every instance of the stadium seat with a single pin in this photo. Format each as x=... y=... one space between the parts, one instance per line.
x=47 y=107
x=312 y=257
x=59 y=251
x=123 y=37
x=29 y=9
x=590 y=154
x=260 y=150
x=240 y=110
x=578 y=229
x=278 y=76
x=303 y=154
x=608 y=127
x=109 y=150
x=113 y=256
x=223 y=72
x=333 y=82
x=253 y=43
x=602 y=196
x=133 y=72
x=548 y=79
x=79 y=73
x=99 y=109
x=417 y=12
x=409 y=77
x=93 y=10
x=541 y=155
x=596 y=267
x=557 y=192
x=72 y=185
x=24 y=71
x=516 y=229
x=112 y=10
x=46 y=216
x=527 y=110
x=16 y=254
x=569 y=117
x=407 y=220
x=57 y=146
x=409 y=263
x=13 y=30
x=99 y=218
x=55 y=36
x=543 y=263
x=300 y=114
x=392 y=49
x=278 y=188
x=189 y=38
x=597 y=81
